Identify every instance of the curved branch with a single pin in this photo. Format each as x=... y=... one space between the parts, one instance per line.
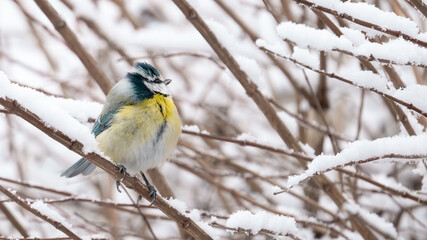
x=131 y=182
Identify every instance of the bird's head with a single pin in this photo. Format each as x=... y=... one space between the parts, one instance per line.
x=145 y=77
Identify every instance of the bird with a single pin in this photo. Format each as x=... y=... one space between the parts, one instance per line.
x=138 y=128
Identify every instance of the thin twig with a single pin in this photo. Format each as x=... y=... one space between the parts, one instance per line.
x=372 y=159
x=144 y=218
x=322 y=114
x=54 y=223
x=250 y=87
x=181 y=54
x=101 y=34
x=276 y=62
x=15 y=222
x=249 y=143
x=36 y=186
x=391 y=190
x=359 y=115
x=333 y=75
x=363 y=23
x=305 y=122
x=233 y=192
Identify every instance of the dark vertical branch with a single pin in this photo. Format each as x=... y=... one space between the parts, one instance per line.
x=74 y=44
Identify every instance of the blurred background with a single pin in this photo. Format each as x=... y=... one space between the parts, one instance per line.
x=209 y=174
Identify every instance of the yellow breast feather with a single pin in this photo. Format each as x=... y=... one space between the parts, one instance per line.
x=138 y=124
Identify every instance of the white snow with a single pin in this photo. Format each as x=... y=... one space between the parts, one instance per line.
x=415 y=94
x=362 y=150
x=209 y=97
x=255 y=222
x=366 y=79
x=304 y=56
x=355 y=36
x=178 y=205
x=247 y=137
x=253 y=70
x=372 y=14
x=44 y=209
x=396 y=50
x=191 y=128
x=277 y=47
x=193 y=214
x=50 y=113
x=324 y=40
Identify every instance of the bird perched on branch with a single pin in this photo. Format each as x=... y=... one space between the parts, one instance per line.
x=138 y=127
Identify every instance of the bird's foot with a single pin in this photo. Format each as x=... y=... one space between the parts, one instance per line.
x=122 y=170
x=153 y=192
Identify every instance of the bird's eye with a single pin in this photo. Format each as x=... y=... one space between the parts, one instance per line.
x=157 y=81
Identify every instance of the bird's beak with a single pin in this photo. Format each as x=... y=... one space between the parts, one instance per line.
x=167 y=81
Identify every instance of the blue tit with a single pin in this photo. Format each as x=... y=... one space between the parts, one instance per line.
x=138 y=127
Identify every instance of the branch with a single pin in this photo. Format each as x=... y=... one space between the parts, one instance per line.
x=54 y=223
x=333 y=75
x=36 y=186
x=131 y=182
x=180 y=54
x=250 y=87
x=9 y=215
x=314 y=125
x=75 y=45
x=280 y=65
x=367 y=160
x=252 y=144
x=363 y=23
x=266 y=108
x=248 y=232
x=97 y=74
x=383 y=187
x=419 y=5
x=101 y=34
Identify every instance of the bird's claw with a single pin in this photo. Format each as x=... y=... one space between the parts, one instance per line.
x=117 y=186
x=153 y=192
x=122 y=170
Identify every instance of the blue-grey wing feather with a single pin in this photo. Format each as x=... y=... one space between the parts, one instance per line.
x=116 y=99
x=103 y=122
x=83 y=166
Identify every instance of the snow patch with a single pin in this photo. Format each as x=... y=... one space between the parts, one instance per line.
x=255 y=222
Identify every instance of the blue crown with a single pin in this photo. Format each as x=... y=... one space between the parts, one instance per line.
x=147 y=69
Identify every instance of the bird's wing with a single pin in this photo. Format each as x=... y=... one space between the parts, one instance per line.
x=103 y=122
x=118 y=97
x=83 y=166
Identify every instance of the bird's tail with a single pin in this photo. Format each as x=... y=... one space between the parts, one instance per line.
x=82 y=166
